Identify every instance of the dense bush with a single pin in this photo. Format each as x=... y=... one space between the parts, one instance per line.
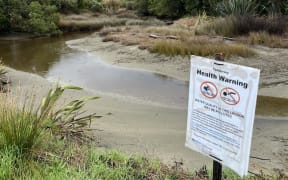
x=40 y=16
x=39 y=22
x=26 y=16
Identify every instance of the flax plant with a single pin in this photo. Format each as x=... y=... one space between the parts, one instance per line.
x=23 y=127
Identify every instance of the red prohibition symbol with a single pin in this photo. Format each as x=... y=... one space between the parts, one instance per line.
x=209 y=89
x=230 y=96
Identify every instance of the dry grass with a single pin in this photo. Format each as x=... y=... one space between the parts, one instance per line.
x=173 y=40
x=220 y=26
x=89 y=21
x=88 y=24
x=200 y=46
x=263 y=38
x=111 y=6
x=243 y=25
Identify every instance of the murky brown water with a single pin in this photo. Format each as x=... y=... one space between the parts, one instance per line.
x=52 y=59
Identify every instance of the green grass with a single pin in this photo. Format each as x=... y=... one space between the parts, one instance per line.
x=59 y=159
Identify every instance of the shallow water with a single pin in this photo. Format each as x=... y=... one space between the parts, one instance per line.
x=52 y=59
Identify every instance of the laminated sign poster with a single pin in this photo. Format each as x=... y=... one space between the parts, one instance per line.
x=221 y=110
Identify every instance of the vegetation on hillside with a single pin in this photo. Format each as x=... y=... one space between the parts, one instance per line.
x=42 y=17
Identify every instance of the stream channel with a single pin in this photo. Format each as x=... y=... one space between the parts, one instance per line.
x=52 y=59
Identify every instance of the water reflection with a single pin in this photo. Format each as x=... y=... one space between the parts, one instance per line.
x=51 y=58
x=87 y=70
x=33 y=55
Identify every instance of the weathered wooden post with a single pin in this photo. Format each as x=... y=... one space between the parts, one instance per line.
x=217 y=167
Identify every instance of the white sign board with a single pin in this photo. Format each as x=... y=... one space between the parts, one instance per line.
x=221 y=110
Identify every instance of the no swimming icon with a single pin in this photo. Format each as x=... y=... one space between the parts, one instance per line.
x=230 y=96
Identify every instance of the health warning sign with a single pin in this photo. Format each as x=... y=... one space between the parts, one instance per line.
x=221 y=110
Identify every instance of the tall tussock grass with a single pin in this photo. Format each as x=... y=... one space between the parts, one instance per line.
x=263 y=38
x=200 y=47
x=23 y=126
x=18 y=127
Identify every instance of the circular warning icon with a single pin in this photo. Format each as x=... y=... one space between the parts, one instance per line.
x=230 y=96
x=209 y=89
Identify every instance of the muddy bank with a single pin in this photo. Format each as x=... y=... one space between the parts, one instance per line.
x=272 y=62
x=133 y=57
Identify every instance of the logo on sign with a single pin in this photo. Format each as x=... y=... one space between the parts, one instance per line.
x=230 y=96
x=209 y=89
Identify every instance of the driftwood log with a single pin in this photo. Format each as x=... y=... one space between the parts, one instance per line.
x=154 y=36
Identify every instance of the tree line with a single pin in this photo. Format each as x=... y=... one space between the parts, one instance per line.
x=42 y=16
x=39 y=16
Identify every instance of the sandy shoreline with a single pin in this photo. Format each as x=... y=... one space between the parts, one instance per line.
x=159 y=132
